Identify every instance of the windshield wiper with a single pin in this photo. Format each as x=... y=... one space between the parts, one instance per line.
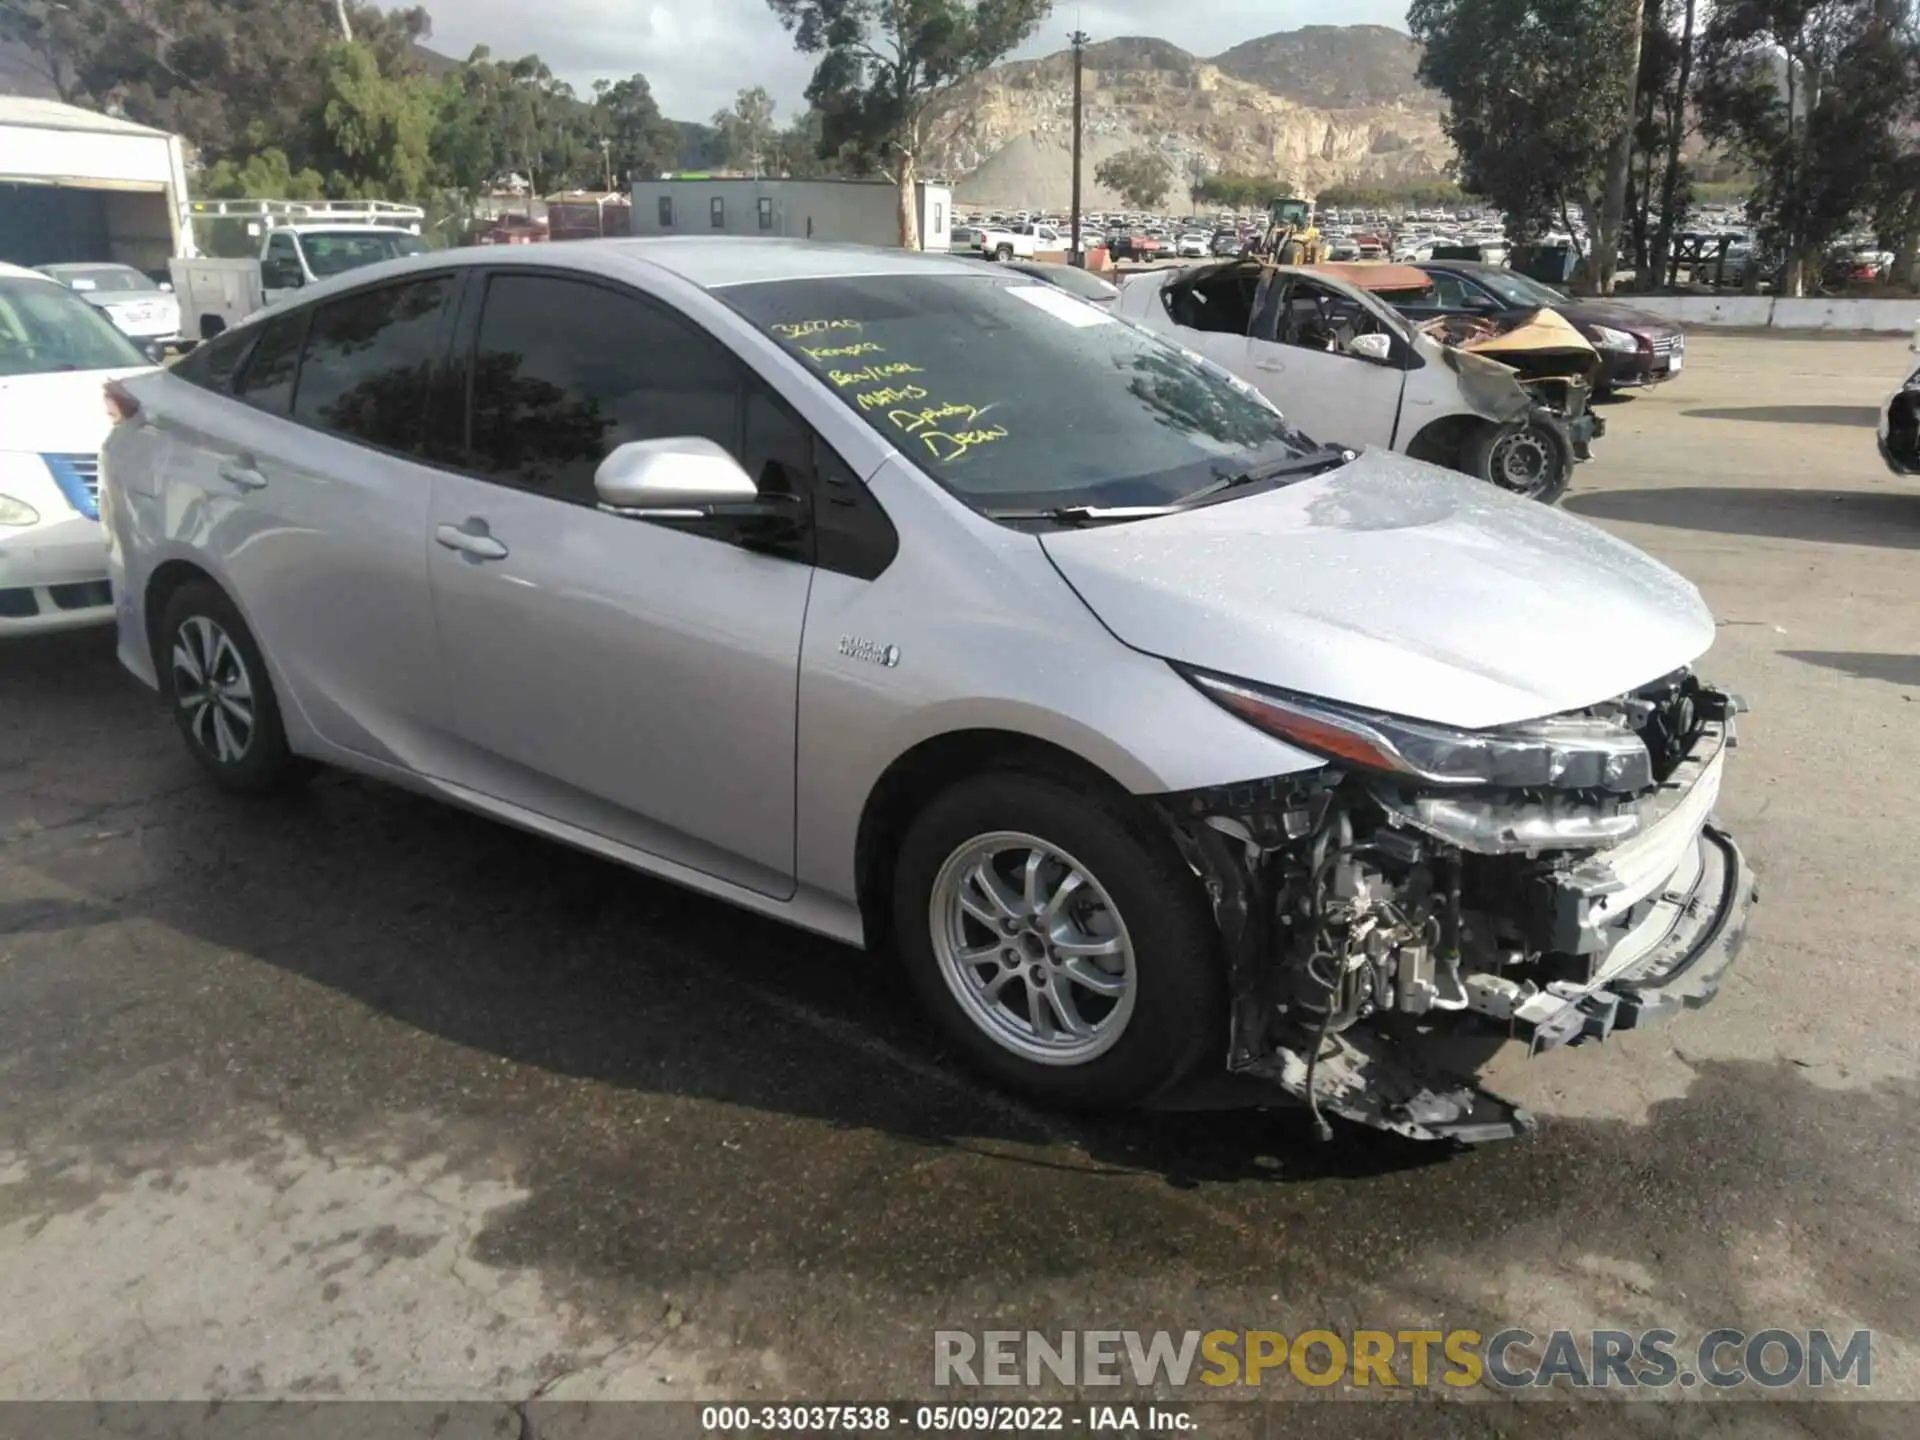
x=1314 y=461
x=1077 y=515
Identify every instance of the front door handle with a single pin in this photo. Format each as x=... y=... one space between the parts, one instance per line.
x=471 y=539
x=245 y=476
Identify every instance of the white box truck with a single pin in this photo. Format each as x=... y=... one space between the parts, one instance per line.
x=76 y=185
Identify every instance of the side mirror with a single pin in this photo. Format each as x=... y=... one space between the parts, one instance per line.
x=281 y=274
x=689 y=478
x=1372 y=347
x=166 y=286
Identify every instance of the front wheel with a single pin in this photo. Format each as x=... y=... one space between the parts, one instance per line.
x=1056 y=937
x=1535 y=463
x=1004 y=252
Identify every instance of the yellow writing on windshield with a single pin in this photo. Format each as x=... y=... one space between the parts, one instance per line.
x=889 y=395
x=828 y=352
x=950 y=447
x=793 y=330
x=868 y=374
x=913 y=421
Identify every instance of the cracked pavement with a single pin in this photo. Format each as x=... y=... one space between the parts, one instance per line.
x=358 y=1096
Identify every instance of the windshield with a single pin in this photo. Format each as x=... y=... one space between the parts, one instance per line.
x=1011 y=393
x=100 y=277
x=1518 y=289
x=1074 y=281
x=337 y=254
x=45 y=327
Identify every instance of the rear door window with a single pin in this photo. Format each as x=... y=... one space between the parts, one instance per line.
x=266 y=383
x=369 y=360
x=212 y=363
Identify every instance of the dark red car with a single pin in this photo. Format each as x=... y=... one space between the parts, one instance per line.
x=1640 y=348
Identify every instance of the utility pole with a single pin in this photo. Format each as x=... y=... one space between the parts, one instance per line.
x=1078 y=256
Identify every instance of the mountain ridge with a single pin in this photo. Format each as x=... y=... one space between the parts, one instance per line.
x=1317 y=106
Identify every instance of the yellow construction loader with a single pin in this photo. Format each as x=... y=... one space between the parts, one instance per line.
x=1292 y=237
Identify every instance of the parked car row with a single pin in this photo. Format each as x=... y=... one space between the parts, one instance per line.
x=1151 y=733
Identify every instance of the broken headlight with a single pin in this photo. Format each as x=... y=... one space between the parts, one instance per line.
x=1561 y=752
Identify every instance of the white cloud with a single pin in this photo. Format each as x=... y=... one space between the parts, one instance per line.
x=697 y=54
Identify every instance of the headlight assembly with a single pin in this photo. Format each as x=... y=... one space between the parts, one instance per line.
x=1562 y=752
x=17 y=513
x=1608 y=338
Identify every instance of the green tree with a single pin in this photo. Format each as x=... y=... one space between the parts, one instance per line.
x=266 y=175
x=882 y=63
x=640 y=140
x=1538 y=93
x=1142 y=177
x=748 y=136
x=377 y=128
x=1810 y=92
x=1242 y=192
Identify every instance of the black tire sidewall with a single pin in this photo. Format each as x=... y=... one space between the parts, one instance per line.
x=269 y=763
x=1180 y=1007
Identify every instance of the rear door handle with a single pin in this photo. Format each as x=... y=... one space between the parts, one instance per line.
x=471 y=539
x=244 y=476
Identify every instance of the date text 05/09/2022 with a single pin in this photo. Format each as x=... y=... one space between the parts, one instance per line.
x=935 y=1419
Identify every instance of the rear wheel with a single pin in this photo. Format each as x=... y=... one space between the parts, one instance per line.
x=220 y=694
x=1059 y=940
x=1003 y=252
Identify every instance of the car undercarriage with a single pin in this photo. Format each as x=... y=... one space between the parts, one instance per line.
x=1369 y=920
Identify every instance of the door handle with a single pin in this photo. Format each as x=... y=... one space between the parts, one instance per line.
x=244 y=476
x=1275 y=367
x=471 y=539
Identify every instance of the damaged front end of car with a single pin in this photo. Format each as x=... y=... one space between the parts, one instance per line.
x=1555 y=364
x=1552 y=882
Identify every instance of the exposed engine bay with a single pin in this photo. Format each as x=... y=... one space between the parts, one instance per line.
x=1553 y=361
x=1551 y=882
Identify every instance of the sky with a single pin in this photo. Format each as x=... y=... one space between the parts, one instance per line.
x=697 y=54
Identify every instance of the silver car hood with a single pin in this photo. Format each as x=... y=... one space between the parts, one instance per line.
x=1395 y=586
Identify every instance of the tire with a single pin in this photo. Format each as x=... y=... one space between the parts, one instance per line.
x=1535 y=463
x=236 y=735
x=1160 y=1003
x=1003 y=252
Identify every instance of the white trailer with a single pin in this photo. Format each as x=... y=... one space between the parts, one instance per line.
x=77 y=185
x=865 y=212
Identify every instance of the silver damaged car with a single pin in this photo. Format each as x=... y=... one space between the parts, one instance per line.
x=931 y=608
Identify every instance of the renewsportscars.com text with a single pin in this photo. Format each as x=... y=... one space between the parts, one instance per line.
x=1506 y=1359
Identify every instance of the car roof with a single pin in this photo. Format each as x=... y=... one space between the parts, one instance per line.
x=20 y=272
x=63 y=267
x=709 y=263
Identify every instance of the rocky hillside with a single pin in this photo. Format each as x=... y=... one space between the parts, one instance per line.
x=1318 y=106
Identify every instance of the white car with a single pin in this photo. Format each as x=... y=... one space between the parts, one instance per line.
x=57 y=354
x=1349 y=369
x=139 y=307
x=1193 y=246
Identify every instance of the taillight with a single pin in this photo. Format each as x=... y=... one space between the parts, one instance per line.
x=121 y=406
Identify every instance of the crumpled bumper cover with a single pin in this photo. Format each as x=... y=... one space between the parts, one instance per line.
x=1684 y=971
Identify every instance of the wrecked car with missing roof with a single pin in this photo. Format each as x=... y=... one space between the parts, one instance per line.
x=1505 y=402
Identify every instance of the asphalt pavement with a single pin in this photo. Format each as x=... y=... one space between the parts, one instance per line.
x=360 y=1096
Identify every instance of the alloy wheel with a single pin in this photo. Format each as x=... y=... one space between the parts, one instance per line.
x=213 y=689
x=1033 y=948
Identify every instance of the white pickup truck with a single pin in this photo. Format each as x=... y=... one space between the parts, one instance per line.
x=992 y=242
x=299 y=242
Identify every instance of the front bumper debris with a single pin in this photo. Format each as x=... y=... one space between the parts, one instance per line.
x=1363 y=993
